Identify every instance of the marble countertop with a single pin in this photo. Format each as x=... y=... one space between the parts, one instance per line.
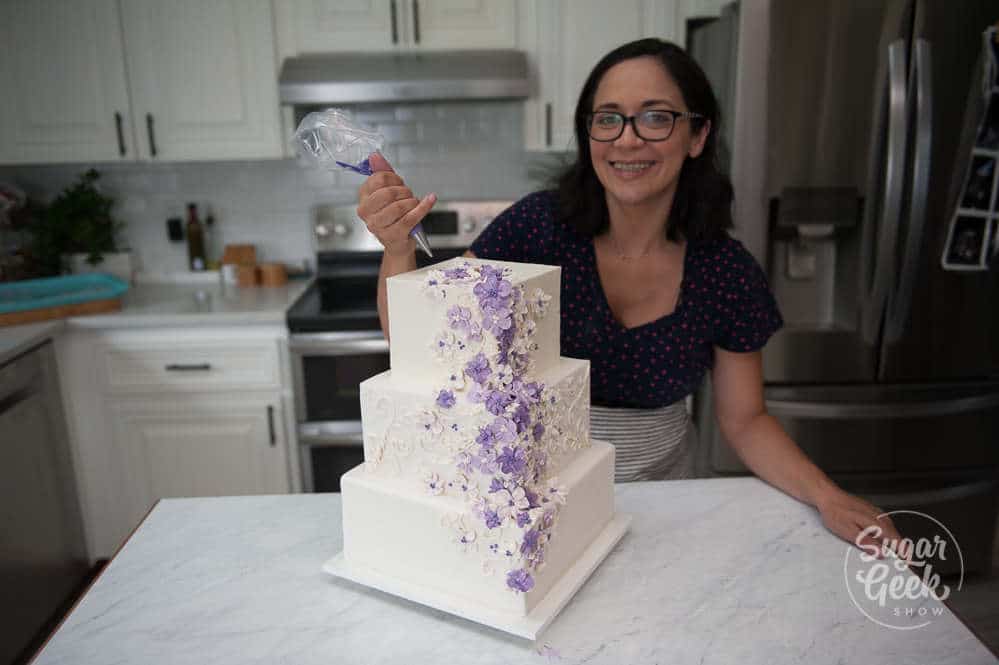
x=712 y=571
x=162 y=305
x=165 y=305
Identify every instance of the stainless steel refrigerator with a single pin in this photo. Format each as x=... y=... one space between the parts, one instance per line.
x=887 y=370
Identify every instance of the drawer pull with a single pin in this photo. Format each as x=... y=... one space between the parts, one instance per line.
x=270 y=425
x=188 y=367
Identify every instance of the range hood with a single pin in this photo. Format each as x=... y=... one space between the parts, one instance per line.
x=346 y=78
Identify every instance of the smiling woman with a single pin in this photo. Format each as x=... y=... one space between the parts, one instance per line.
x=655 y=293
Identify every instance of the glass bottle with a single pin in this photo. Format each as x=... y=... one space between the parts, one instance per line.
x=195 y=239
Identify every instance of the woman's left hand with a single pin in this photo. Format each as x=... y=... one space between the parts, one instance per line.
x=859 y=522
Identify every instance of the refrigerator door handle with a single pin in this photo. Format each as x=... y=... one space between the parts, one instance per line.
x=857 y=410
x=875 y=297
x=901 y=299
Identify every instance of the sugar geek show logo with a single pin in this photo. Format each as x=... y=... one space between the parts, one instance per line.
x=900 y=594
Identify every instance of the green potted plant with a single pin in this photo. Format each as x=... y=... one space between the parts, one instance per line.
x=77 y=232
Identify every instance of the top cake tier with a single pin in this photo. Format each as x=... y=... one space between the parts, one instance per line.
x=450 y=318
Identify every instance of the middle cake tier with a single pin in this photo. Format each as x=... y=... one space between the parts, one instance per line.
x=524 y=431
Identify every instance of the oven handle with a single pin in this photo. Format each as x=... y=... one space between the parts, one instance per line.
x=331 y=434
x=804 y=409
x=338 y=343
x=933 y=496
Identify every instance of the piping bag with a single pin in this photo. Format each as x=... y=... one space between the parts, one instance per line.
x=331 y=140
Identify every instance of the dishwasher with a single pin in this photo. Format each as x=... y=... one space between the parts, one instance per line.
x=43 y=557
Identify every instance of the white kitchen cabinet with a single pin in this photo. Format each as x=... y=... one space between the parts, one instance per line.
x=325 y=26
x=566 y=38
x=63 y=70
x=180 y=445
x=171 y=412
x=100 y=80
x=203 y=79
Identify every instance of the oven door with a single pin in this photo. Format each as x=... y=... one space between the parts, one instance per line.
x=328 y=369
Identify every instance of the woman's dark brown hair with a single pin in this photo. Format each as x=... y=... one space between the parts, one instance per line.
x=702 y=205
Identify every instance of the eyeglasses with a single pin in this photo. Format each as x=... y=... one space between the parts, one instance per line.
x=652 y=125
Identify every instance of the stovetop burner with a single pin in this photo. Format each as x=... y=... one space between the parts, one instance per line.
x=344 y=295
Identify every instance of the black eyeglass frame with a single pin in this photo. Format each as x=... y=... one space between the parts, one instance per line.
x=690 y=115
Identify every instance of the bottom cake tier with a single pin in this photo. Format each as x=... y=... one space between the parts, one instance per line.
x=433 y=543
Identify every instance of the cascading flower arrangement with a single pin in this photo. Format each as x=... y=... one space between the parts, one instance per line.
x=505 y=449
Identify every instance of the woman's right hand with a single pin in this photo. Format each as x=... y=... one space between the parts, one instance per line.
x=389 y=208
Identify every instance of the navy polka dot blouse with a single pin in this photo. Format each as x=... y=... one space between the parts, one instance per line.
x=724 y=301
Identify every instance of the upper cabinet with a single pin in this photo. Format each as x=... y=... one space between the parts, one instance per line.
x=318 y=26
x=64 y=72
x=566 y=39
x=100 y=80
x=203 y=78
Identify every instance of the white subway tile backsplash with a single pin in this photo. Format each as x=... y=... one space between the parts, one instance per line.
x=459 y=150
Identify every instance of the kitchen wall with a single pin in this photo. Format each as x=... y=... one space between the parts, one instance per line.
x=459 y=150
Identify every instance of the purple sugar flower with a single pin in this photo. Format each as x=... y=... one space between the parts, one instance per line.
x=512 y=460
x=530 y=392
x=478 y=368
x=497 y=320
x=459 y=318
x=523 y=519
x=485 y=461
x=520 y=580
x=493 y=291
x=530 y=543
x=521 y=417
x=477 y=394
x=492 y=518
x=497 y=401
x=539 y=430
x=505 y=430
x=500 y=430
x=496 y=485
x=486 y=437
x=459 y=273
x=532 y=497
x=488 y=272
x=445 y=399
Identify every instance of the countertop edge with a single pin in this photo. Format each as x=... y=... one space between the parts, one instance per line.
x=15 y=340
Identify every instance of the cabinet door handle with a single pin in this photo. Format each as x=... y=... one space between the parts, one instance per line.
x=188 y=367
x=152 y=134
x=121 y=135
x=548 y=124
x=416 y=21
x=395 y=25
x=270 y=425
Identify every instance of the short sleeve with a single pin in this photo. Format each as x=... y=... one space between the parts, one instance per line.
x=748 y=313
x=523 y=232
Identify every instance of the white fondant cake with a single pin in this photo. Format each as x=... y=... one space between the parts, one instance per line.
x=481 y=489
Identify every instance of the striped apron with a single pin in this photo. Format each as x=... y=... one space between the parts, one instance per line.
x=650 y=444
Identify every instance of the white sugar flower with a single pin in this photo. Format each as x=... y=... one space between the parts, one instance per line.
x=445 y=345
x=465 y=536
x=539 y=301
x=556 y=492
x=502 y=503
x=504 y=376
x=519 y=499
x=432 y=483
x=430 y=423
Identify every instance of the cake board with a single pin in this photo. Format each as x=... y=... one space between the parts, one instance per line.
x=528 y=626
